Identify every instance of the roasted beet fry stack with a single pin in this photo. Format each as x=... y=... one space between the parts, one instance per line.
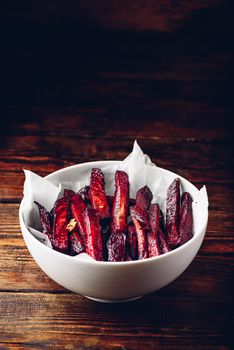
x=117 y=228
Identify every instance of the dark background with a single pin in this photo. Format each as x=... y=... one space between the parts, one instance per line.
x=113 y=55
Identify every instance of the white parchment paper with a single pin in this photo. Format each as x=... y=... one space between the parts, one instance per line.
x=141 y=172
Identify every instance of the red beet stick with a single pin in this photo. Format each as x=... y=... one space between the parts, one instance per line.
x=152 y=236
x=173 y=212
x=141 y=225
x=186 y=218
x=144 y=197
x=60 y=239
x=77 y=207
x=97 y=194
x=93 y=239
x=116 y=247
x=120 y=203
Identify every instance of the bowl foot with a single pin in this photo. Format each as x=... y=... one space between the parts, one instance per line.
x=112 y=301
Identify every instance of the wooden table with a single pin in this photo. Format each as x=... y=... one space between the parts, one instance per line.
x=69 y=99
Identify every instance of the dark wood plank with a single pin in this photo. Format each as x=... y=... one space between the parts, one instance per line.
x=216 y=162
x=93 y=342
x=77 y=149
x=200 y=124
x=205 y=276
x=154 y=318
x=220 y=225
x=20 y=272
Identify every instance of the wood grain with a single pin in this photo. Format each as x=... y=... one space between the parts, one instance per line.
x=73 y=92
x=36 y=318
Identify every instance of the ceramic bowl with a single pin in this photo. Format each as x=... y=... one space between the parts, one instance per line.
x=115 y=281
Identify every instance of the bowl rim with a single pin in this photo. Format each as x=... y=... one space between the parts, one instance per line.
x=109 y=263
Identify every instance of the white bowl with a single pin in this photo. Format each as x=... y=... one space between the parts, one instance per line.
x=114 y=281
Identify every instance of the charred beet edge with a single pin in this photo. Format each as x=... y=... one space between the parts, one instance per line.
x=97 y=194
x=173 y=212
x=141 y=223
x=110 y=200
x=161 y=221
x=120 y=203
x=154 y=217
x=164 y=246
x=116 y=247
x=60 y=239
x=84 y=192
x=186 y=218
x=52 y=217
x=93 y=234
x=152 y=237
x=132 y=202
x=144 y=197
x=105 y=233
x=67 y=192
